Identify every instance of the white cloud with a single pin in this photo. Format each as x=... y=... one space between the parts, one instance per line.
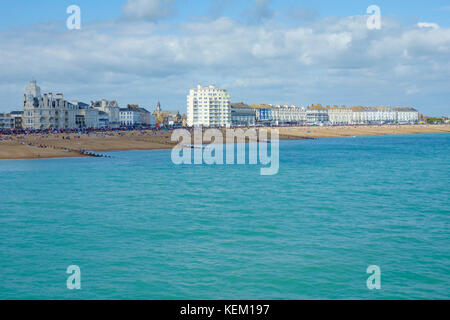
x=428 y=25
x=148 y=9
x=333 y=61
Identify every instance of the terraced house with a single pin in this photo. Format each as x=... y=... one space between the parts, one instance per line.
x=372 y=115
x=288 y=114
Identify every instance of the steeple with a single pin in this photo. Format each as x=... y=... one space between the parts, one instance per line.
x=158 y=107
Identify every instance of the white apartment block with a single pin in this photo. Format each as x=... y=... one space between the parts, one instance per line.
x=47 y=111
x=208 y=107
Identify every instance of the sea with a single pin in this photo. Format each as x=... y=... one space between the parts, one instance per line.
x=138 y=226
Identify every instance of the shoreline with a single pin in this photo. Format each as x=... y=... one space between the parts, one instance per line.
x=60 y=145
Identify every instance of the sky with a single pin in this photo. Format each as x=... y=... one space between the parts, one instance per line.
x=262 y=51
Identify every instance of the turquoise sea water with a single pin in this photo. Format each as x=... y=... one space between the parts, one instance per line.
x=140 y=227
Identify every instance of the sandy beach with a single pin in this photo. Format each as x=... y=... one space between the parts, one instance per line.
x=350 y=131
x=35 y=146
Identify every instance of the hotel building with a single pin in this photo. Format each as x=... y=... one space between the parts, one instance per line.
x=129 y=116
x=47 y=111
x=53 y=112
x=406 y=115
x=209 y=107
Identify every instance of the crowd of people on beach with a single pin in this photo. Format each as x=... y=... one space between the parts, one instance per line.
x=155 y=130
x=70 y=134
x=80 y=131
x=36 y=138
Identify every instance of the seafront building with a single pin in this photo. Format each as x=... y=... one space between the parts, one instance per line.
x=133 y=115
x=208 y=106
x=173 y=117
x=340 y=115
x=50 y=111
x=12 y=120
x=47 y=111
x=406 y=115
x=264 y=115
x=280 y=115
x=372 y=115
x=316 y=116
x=289 y=115
x=242 y=115
x=129 y=116
x=6 y=121
x=18 y=118
x=167 y=117
x=87 y=117
x=146 y=117
x=111 y=109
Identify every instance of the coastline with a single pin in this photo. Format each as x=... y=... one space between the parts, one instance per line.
x=44 y=146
